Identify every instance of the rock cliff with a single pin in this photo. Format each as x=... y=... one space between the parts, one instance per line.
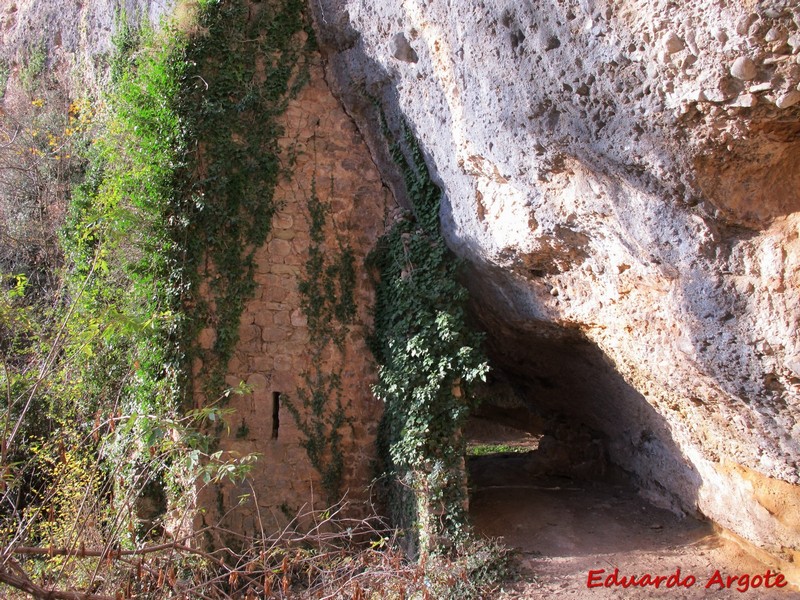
x=622 y=178
x=76 y=36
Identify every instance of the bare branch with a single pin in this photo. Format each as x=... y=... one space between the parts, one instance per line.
x=22 y=582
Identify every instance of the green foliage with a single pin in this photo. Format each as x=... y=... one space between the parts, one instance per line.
x=5 y=71
x=121 y=243
x=178 y=195
x=326 y=290
x=126 y=40
x=179 y=187
x=486 y=449
x=34 y=66
x=327 y=299
x=473 y=570
x=428 y=357
x=16 y=320
x=241 y=74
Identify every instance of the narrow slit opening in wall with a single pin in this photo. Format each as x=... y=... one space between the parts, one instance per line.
x=276 y=414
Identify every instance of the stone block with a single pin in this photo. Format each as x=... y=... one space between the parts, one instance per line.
x=282 y=363
x=283 y=221
x=275 y=294
x=300 y=245
x=298 y=318
x=249 y=333
x=279 y=248
x=291 y=270
x=207 y=338
x=275 y=333
x=258 y=382
x=284 y=234
x=294 y=259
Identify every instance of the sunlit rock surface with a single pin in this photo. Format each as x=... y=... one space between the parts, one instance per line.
x=623 y=179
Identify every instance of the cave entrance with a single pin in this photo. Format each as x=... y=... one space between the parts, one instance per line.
x=569 y=464
x=555 y=409
x=575 y=469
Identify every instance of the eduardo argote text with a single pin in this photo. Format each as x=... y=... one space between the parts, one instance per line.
x=742 y=582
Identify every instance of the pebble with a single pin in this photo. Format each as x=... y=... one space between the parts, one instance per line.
x=743 y=24
x=673 y=44
x=794 y=42
x=691 y=42
x=688 y=61
x=793 y=363
x=744 y=68
x=788 y=99
x=715 y=95
x=745 y=101
x=761 y=87
x=755 y=28
x=780 y=47
x=720 y=35
x=775 y=34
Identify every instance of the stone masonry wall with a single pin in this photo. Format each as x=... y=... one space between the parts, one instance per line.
x=275 y=348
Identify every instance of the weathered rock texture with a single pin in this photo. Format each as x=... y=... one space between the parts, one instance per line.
x=275 y=350
x=624 y=180
x=76 y=35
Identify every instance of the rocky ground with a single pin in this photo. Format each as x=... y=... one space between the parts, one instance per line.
x=566 y=530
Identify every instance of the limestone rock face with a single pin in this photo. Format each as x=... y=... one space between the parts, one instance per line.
x=624 y=181
x=76 y=35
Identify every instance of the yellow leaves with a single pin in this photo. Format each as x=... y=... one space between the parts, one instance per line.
x=80 y=116
x=73 y=478
x=38 y=102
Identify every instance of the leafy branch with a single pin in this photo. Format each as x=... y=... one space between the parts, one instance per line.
x=428 y=357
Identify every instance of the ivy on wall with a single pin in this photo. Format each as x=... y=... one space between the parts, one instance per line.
x=428 y=358
x=178 y=195
x=249 y=62
x=327 y=299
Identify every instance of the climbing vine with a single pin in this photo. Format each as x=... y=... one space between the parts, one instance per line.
x=327 y=300
x=248 y=63
x=428 y=358
x=161 y=235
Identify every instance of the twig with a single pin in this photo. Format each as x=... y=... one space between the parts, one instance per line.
x=22 y=582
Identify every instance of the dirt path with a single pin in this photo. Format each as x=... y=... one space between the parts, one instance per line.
x=567 y=530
